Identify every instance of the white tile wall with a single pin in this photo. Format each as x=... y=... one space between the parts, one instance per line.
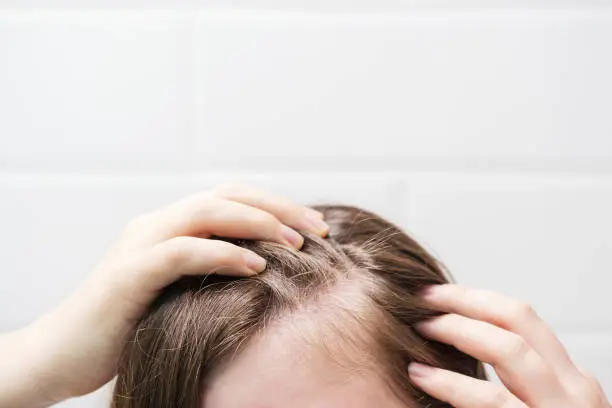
x=404 y=85
x=520 y=233
x=483 y=130
x=82 y=91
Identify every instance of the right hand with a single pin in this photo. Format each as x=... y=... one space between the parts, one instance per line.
x=533 y=365
x=74 y=349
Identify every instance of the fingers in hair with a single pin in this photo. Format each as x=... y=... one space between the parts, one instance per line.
x=461 y=391
x=517 y=364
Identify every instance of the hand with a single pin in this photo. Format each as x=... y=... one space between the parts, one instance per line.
x=532 y=364
x=74 y=349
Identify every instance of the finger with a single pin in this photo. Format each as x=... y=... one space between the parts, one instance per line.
x=509 y=314
x=461 y=391
x=288 y=212
x=518 y=365
x=589 y=390
x=166 y=262
x=205 y=216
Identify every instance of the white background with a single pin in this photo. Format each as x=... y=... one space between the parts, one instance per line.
x=482 y=128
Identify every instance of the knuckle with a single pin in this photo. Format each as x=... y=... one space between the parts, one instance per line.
x=228 y=190
x=521 y=311
x=463 y=292
x=515 y=347
x=586 y=390
x=176 y=251
x=198 y=200
x=590 y=378
x=498 y=397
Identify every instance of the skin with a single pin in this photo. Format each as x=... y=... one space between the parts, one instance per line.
x=533 y=365
x=281 y=370
x=83 y=335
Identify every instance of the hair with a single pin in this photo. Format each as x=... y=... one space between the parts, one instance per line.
x=362 y=281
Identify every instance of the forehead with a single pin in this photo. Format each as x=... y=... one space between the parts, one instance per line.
x=279 y=370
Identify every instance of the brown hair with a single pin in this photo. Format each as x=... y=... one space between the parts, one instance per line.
x=182 y=339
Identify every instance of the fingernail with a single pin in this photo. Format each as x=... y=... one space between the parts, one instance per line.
x=293 y=237
x=419 y=370
x=255 y=262
x=318 y=226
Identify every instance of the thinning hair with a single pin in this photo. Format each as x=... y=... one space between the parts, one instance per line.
x=359 y=287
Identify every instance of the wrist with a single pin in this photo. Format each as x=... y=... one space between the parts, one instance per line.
x=22 y=383
x=52 y=344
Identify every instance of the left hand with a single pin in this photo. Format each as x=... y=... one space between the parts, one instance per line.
x=530 y=361
x=74 y=348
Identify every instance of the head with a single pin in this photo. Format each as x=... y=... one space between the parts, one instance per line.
x=328 y=326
